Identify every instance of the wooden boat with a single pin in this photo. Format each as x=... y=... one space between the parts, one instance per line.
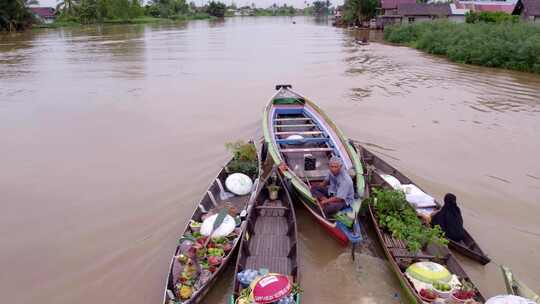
x=396 y=251
x=211 y=200
x=270 y=240
x=517 y=287
x=296 y=131
x=468 y=247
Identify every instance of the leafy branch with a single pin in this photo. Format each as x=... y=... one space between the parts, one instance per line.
x=397 y=216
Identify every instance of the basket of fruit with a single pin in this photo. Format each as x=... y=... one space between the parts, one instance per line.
x=442 y=289
x=462 y=296
x=428 y=295
x=195 y=226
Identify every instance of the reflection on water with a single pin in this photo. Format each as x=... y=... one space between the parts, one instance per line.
x=110 y=134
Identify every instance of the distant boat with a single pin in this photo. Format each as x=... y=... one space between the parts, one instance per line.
x=516 y=287
x=298 y=133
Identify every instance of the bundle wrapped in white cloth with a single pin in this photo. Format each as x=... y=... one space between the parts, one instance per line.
x=413 y=194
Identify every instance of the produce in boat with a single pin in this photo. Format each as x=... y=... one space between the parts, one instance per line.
x=428 y=295
x=383 y=174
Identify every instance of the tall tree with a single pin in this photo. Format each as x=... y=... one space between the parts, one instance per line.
x=88 y=11
x=356 y=11
x=216 y=9
x=136 y=9
x=15 y=15
x=320 y=8
x=67 y=7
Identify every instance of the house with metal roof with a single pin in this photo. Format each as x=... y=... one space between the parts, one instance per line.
x=388 y=12
x=417 y=12
x=486 y=6
x=44 y=14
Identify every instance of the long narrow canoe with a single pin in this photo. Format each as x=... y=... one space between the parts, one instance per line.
x=269 y=241
x=517 y=287
x=468 y=247
x=297 y=132
x=396 y=251
x=211 y=200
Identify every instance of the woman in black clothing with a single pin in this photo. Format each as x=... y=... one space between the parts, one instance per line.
x=449 y=219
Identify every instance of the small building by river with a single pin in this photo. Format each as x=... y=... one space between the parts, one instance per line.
x=388 y=12
x=44 y=14
x=417 y=12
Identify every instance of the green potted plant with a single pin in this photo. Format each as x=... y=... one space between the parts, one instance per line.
x=244 y=158
x=273 y=191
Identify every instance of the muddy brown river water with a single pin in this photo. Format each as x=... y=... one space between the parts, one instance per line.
x=109 y=135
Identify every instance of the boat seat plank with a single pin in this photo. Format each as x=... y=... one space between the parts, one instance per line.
x=306 y=150
x=299 y=133
x=273 y=264
x=404 y=253
x=296 y=126
x=303 y=140
x=292 y=119
x=269 y=245
x=271 y=208
x=239 y=202
x=271 y=225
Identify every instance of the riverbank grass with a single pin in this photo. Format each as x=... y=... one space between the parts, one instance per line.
x=514 y=46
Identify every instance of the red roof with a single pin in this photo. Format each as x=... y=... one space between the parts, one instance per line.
x=494 y=8
x=484 y=6
x=391 y=4
x=43 y=12
x=422 y=9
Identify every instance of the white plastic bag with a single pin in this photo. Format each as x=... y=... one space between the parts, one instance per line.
x=417 y=197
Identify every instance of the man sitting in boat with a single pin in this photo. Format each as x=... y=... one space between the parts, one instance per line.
x=337 y=190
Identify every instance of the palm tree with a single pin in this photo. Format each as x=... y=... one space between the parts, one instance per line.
x=16 y=15
x=66 y=6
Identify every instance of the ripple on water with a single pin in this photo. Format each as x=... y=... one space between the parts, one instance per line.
x=366 y=280
x=392 y=71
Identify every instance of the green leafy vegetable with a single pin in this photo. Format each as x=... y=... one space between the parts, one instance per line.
x=397 y=216
x=244 y=158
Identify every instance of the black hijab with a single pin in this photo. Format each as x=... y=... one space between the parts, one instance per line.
x=450 y=219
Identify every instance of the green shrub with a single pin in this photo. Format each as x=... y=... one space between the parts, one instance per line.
x=397 y=216
x=244 y=158
x=505 y=45
x=490 y=17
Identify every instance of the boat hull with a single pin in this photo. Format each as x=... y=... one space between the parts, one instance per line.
x=472 y=251
x=329 y=226
x=516 y=287
x=270 y=240
x=480 y=257
x=341 y=147
x=406 y=287
x=209 y=200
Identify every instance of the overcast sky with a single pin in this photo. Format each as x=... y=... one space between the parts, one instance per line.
x=258 y=3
